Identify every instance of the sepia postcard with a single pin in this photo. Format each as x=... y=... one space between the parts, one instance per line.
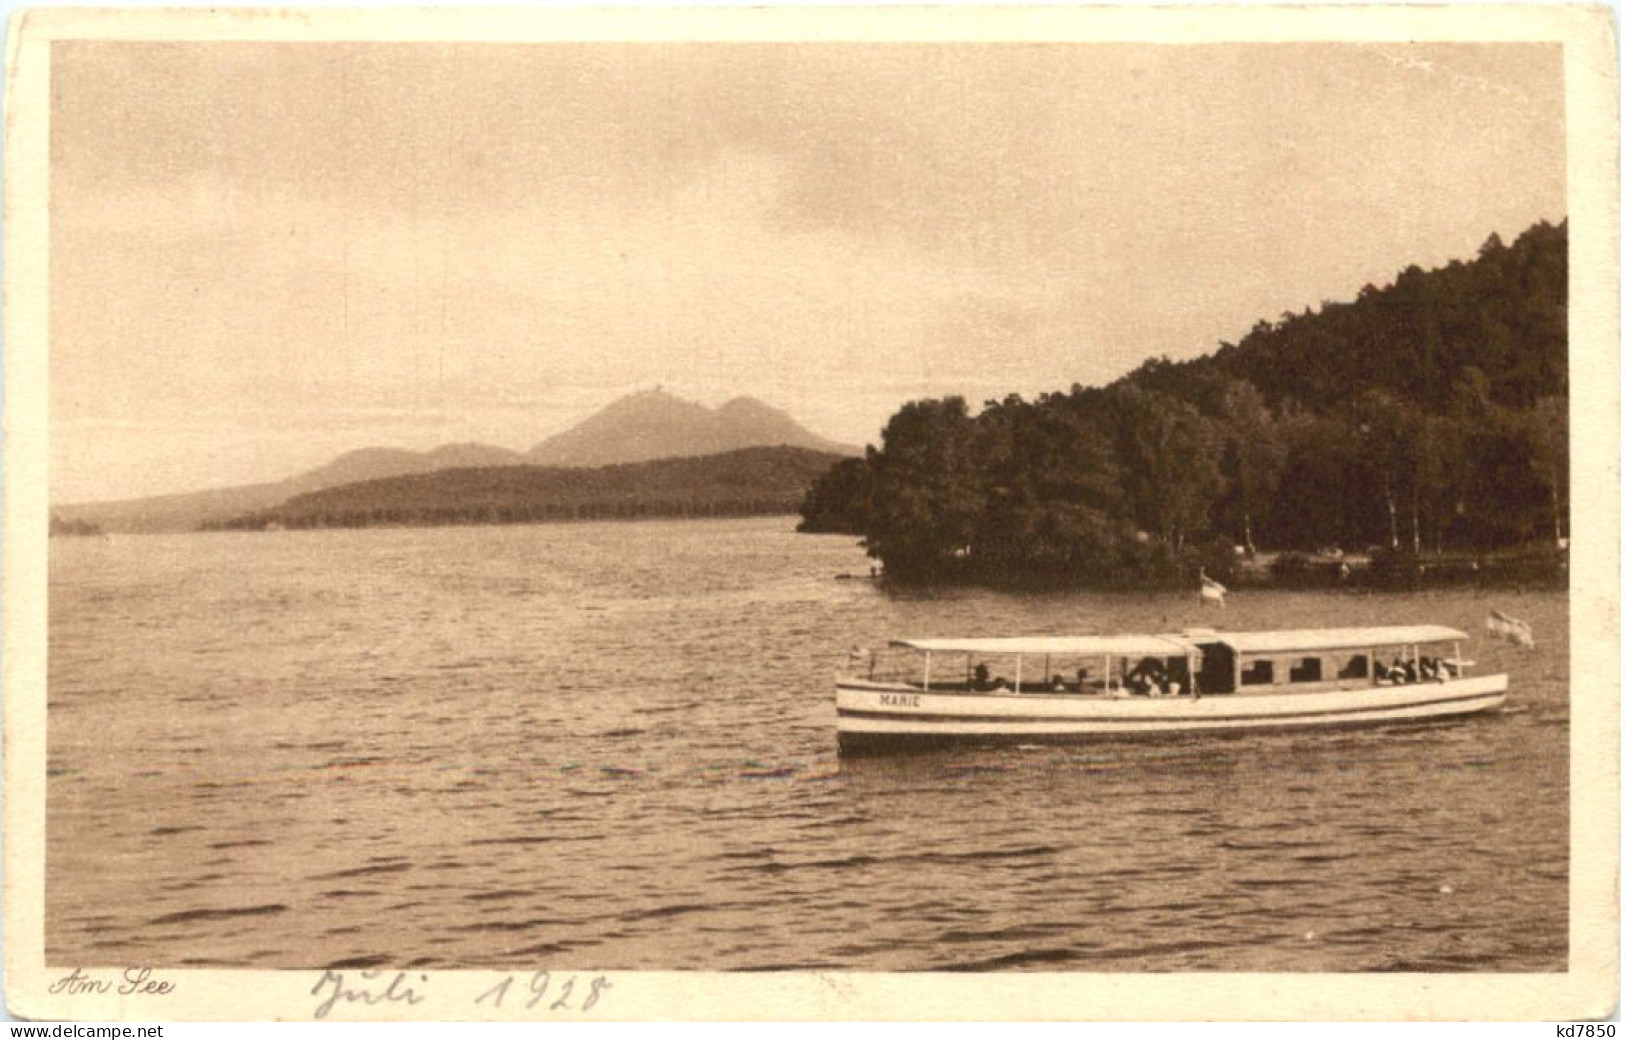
x=812 y=513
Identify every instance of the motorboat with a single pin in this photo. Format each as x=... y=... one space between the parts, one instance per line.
x=1051 y=689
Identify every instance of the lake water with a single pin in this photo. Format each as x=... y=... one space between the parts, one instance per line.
x=612 y=746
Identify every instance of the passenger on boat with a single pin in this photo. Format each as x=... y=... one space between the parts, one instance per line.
x=1379 y=671
x=1057 y=684
x=1410 y=672
x=980 y=676
x=1148 y=676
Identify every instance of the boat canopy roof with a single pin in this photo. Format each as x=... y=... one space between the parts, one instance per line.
x=1081 y=646
x=1336 y=638
x=1182 y=645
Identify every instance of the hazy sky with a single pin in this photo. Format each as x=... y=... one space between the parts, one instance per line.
x=265 y=254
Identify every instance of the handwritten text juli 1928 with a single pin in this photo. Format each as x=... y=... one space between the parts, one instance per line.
x=371 y=988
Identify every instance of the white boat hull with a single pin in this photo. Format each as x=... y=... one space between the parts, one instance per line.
x=887 y=714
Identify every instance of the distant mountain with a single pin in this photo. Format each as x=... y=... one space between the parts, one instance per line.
x=188 y=511
x=638 y=428
x=755 y=481
x=656 y=425
x=180 y=512
x=381 y=463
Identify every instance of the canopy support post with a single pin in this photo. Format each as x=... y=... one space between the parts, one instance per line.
x=1018 y=673
x=928 y=670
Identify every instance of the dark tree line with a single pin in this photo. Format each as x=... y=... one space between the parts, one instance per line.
x=67 y=528
x=748 y=482
x=1426 y=417
x=540 y=513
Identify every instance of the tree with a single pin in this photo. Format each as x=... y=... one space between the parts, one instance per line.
x=1254 y=453
x=930 y=484
x=1169 y=459
x=1546 y=429
x=1439 y=486
x=840 y=500
x=1387 y=434
x=1313 y=504
x=1053 y=495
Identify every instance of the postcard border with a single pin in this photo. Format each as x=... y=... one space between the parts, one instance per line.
x=1588 y=989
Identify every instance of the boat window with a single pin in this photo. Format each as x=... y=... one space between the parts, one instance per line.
x=994 y=674
x=1062 y=673
x=892 y=665
x=1258 y=673
x=1358 y=667
x=1307 y=669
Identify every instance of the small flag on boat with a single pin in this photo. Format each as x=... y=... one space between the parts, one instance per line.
x=1212 y=591
x=1505 y=626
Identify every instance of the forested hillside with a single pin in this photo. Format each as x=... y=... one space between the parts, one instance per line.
x=1423 y=417
x=749 y=482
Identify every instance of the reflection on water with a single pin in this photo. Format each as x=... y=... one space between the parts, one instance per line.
x=612 y=746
